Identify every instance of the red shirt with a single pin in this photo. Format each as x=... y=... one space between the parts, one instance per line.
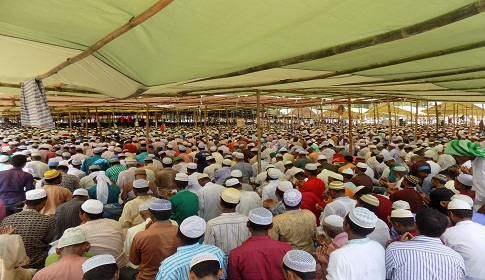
x=130 y=147
x=308 y=201
x=385 y=208
x=259 y=257
x=313 y=185
x=411 y=196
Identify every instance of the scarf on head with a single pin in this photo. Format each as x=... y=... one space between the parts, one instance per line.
x=464 y=148
x=101 y=186
x=13 y=257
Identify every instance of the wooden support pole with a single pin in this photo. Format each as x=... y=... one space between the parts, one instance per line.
x=98 y=126
x=454 y=119
x=437 y=120
x=70 y=122
x=147 y=126
x=268 y=119
x=205 y=125
x=351 y=141
x=323 y=120
x=416 y=123
x=427 y=114
x=390 y=120
x=258 y=124
x=87 y=121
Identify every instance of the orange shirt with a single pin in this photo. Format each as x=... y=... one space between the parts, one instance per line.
x=56 y=195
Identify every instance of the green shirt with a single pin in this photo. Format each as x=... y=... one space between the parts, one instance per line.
x=52 y=258
x=113 y=193
x=114 y=171
x=184 y=204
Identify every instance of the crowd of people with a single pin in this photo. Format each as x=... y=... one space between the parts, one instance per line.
x=294 y=204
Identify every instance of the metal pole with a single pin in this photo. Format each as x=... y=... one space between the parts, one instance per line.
x=258 y=120
x=351 y=141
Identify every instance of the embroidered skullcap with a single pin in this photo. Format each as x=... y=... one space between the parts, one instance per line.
x=412 y=179
x=231 y=195
x=441 y=177
x=400 y=168
x=160 y=205
x=299 y=260
x=320 y=157
x=203 y=257
x=357 y=189
x=93 y=167
x=370 y=199
x=336 y=185
x=292 y=197
x=363 y=217
x=401 y=213
x=97 y=261
x=71 y=236
x=35 y=194
x=260 y=216
x=400 y=204
x=336 y=176
x=193 y=227
x=181 y=177
x=389 y=158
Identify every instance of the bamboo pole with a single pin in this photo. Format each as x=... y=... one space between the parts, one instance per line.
x=258 y=125
x=87 y=121
x=454 y=119
x=416 y=123
x=466 y=116
x=268 y=119
x=70 y=122
x=133 y=22
x=390 y=120
x=147 y=126
x=205 y=125
x=323 y=121
x=98 y=127
x=351 y=140
x=437 y=119
x=377 y=113
x=427 y=114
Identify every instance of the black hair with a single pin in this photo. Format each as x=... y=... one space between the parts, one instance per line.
x=312 y=172
x=405 y=222
x=50 y=181
x=358 y=229
x=102 y=272
x=181 y=184
x=62 y=167
x=370 y=207
x=228 y=205
x=35 y=202
x=292 y=207
x=349 y=158
x=431 y=222
x=187 y=240
x=206 y=268
x=142 y=190
x=161 y=215
x=279 y=192
x=92 y=216
x=427 y=171
x=462 y=213
x=301 y=275
x=363 y=191
x=18 y=161
x=257 y=227
x=348 y=176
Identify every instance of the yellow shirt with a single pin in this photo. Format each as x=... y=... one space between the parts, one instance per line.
x=295 y=227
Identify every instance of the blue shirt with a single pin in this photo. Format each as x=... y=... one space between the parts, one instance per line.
x=90 y=161
x=13 y=185
x=177 y=266
x=221 y=175
x=478 y=218
x=426 y=185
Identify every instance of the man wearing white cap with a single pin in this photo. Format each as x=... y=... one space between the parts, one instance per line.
x=425 y=256
x=75 y=169
x=105 y=235
x=36 y=229
x=70 y=249
x=244 y=167
x=249 y=199
x=260 y=249
x=298 y=265
x=341 y=205
x=295 y=226
x=100 y=267
x=313 y=184
x=205 y=266
x=184 y=203
x=209 y=198
x=37 y=166
x=177 y=266
x=129 y=217
x=466 y=237
x=200 y=157
x=272 y=177
x=402 y=222
x=165 y=178
x=229 y=230
x=213 y=166
x=365 y=256
x=381 y=231
x=193 y=185
x=151 y=246
x=67 y=214
x=333 y=226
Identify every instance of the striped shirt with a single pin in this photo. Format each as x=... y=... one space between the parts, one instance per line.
x=227 y=231
x=423 y=257
x=177 y=266
x=114 y=171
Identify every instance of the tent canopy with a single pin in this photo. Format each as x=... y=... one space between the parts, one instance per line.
x=446 y=109
x=410 y=50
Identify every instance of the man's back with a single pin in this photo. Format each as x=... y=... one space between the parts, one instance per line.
x=259 y=257
x=12 y=184
x=297 y=227
x=56 y=195
x=67 y=216
x=184 y=204
x=209 y=201
x=68 y=267
x=423 y=258
x=227 y=231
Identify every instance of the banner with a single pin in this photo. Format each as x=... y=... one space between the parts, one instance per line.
x=34 y=110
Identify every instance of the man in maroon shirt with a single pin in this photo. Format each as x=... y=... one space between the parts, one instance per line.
x=409 y=194
x=260 y=256
x=130 y=146
x=313 y=184
x=361 y=179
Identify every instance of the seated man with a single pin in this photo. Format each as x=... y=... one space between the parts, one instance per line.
x=101 y=267
x=205 y=266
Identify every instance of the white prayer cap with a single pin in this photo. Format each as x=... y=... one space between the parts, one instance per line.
x=283 y=149
x=286 y=162
x=75 y=161
x=3 y=158
x=334 y=221
x=357 y=189
x=82 y=192
x=201 y=146
x=370 y=199
x=362 y=165
x=35 y=194
x=299 y=260
x=336 y=185
x=240 y=155
x=232 y=182
x=202 y=176
x=458 y=204
x=169 y=146
x=336 y=176
x=160 y=205
x=284 y=186
x=71 y=236
x=303 y=152
x=363 y=217
x=231 y=195
x=292 y=197
x=193 y=227
x=181 y=177
x=97 y=150
x=463 y=197
x=320 y=157
x=227 y=162
x=144 y=206
x=400 y=168
x=140 y=184
x=130 y=161
x=260 y=216
x=311 y=166
x=92 y=206
x=97 y=261
x=213 y=148
x=401 y=204
x=167 y=160
x=389 y=158
x=273 y=173
x=401 y=213
x=465 y=179
x=209 y=158
x=202 y=257
x=192 y=166
x=348 y=171
x=236 y=173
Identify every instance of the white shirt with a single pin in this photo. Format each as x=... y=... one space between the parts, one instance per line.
x=381 y=233
x=364 y=259
x=340 y=206
x=209 y=201
x=435 y=168
x=468 y=239
x=209 y=170
x=478 y=166
x=193 y=185
x=269 y=190
x=76 y=172
x=328 y=153
x=249 y=201
x=38 y=168
x=324 y=175
x=126 y=176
